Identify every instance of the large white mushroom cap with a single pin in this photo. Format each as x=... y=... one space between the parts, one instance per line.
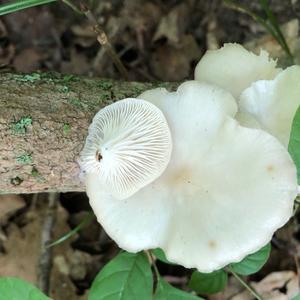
x=128 y=146
x=223 y=194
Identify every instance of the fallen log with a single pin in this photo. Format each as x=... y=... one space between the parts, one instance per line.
x=44 y=119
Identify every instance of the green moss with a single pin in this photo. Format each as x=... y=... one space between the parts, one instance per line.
x=137 y=88
x=37 y=175
x=34 y=172
x=105 y=96
x=28 y=77
x=52 y=77
x=75 y=101
x=120 y=94
x=49 y=77
x=105 y=85
x=69 y=78
x=66 y=128
x=16 y=180
x=20 y=126
x=24 y=159
x=170 y=86
x=163 y=85
x=64 y=89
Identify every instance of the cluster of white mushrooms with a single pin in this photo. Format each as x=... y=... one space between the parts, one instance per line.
x=203 y=172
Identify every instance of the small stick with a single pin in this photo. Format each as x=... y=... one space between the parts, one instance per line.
x=104 y=41
x=70 y=4
x=45 y=261
x=152 y=262
x=101 y=36
x=245 y=284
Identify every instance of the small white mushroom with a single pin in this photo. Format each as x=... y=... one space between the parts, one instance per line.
x=273 y=103
x=223 y=194
x=234 y=68
x=128 y=146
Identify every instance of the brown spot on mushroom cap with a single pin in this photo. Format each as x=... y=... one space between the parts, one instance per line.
x=270 y=168
x=212 y=244
x=181 y=176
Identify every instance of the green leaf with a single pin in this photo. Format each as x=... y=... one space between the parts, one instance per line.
x=14 y=6
x=294 y=143
x=127 y=277
x=208 y=283
x=253 y=262
x=159 y=254
x=296 y=297
x=165 y=291
x=17 y=289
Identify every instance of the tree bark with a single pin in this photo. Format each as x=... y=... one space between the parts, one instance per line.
x=44 y=120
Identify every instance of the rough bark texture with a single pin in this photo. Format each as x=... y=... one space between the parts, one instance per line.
x=44 y=120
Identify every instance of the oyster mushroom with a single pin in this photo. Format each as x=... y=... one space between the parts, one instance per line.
x=128 y=146
x=267 y=96
x=223 y=194
x=234 y=68
x=273 y=103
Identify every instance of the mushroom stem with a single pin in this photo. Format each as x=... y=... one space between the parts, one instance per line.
x=298 y=190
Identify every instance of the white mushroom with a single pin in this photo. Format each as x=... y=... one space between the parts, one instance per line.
x=128 y=146
x=273 y=103
x=267 y=96
x=223 y=194
x=234 y=68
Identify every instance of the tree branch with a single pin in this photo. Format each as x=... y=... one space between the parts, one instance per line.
x=44 y=120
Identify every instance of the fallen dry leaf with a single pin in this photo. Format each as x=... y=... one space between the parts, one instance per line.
x=28 y=60
x=7 y=50
x=22 y=249
x=78 y=63
x=174 y=64
x=172 y=26
x=282 y=285
x=9 y=204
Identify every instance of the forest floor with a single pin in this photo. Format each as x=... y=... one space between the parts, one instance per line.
x=157 y=41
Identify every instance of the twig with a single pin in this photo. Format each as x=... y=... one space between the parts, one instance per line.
x=176 y=280
x=245 y=284
x=104 y=41
x=71 y=5
x=102 y=38
x=45 y=261
x=152 y=261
